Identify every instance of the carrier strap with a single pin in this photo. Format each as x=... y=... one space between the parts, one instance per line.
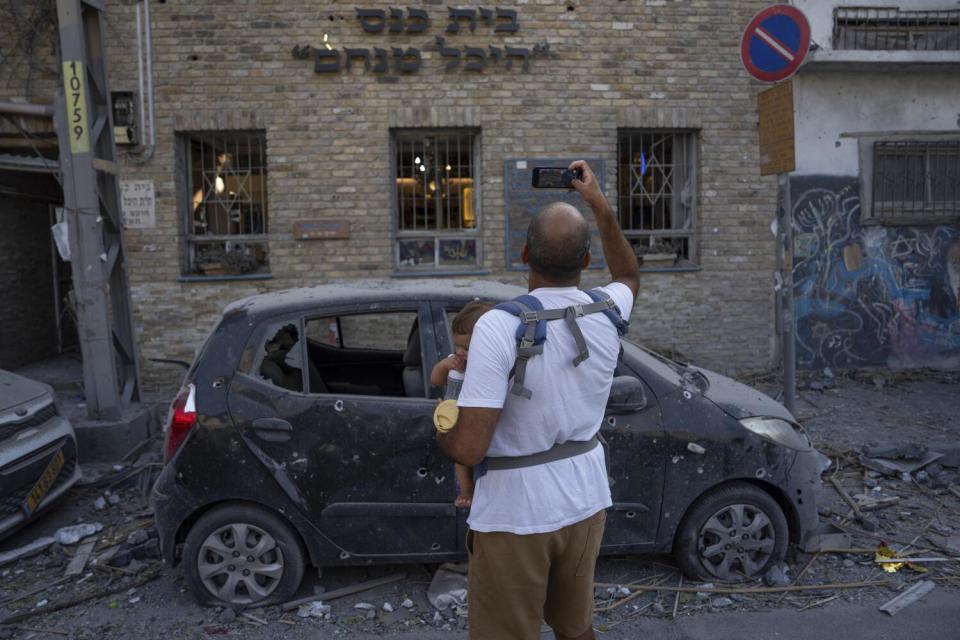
x=559 y=451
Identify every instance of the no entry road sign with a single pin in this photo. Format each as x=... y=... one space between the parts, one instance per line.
x=775 y=43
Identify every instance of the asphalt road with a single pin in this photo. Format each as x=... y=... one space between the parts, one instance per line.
x=936 y=617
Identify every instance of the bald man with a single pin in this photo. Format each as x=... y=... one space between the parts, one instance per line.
x=535 y=530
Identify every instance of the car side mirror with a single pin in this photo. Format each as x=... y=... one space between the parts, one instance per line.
x=627 y=395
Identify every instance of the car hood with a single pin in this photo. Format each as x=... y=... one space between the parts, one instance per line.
x=15 y=390
x=739 y=400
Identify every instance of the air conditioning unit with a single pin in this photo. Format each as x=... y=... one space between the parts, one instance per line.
x=126 y=130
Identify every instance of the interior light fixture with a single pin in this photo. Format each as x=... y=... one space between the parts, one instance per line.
x=423 y=167
x=416 y=160
x=219 y=185
x=448 y=167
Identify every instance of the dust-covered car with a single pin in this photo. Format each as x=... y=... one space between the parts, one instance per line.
x=303 y=434
x=38 y=451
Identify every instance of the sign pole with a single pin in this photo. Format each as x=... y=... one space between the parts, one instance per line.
x=789 y=337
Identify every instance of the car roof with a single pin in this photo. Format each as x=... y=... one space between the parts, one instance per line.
x=366 y=291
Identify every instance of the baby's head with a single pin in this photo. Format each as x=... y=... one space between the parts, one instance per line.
x=463 y=324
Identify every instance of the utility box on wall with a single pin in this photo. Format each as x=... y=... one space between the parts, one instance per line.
x=126 y=130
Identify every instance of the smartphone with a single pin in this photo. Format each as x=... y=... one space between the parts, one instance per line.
x=555 y=177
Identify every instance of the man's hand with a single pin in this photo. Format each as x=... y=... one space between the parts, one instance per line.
x=621 y=260
x=589 y=187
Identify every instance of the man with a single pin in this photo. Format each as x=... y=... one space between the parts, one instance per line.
x=535 y=530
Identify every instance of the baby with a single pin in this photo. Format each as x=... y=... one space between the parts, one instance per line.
x=462 y=329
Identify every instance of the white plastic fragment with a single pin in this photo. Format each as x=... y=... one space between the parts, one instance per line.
x=315 y=609
x=388 y=607
x=448 y=587
x=407 y=603
x=366 y=606
x=76 y=533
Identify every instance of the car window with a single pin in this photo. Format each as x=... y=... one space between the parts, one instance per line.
x=374 y=353
x=280 y=360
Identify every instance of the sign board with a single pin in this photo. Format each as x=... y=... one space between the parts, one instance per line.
x=775 y=43
x=777 y=152
x=138 y=204
x=321 y=229
x=521 y=202
x=75 y=95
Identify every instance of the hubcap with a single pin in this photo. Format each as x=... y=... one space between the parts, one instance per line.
x=240 y=563
x=749 y=527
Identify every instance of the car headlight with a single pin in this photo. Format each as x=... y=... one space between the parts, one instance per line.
x=779 y=431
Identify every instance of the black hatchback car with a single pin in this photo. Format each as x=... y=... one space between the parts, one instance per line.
x=303 y=434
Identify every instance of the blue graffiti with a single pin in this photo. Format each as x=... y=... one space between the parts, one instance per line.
x=867 y=296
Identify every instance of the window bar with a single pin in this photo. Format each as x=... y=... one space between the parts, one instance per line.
x=421 y=172
x=630 y=183
x=445 y=190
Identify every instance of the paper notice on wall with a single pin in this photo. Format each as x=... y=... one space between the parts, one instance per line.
x=61 y=239
x=138 y=204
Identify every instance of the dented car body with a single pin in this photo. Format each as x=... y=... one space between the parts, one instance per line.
x=315 y=406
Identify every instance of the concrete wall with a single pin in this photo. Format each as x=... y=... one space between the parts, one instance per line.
x=870 y=295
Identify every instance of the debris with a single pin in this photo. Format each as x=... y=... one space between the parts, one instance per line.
x=32 y=592
x=826 y=537
x=407 y=603
x=26 y=551
x=719 y=603
x=252 y=618
x=43 y=603
x=896 y=451
x=66 y=604
x=346 y=591
x=908 y=597
x=366 y=606
x=777 y=576
x=79 y=561
x=449 y=586
x=138 y=537
x=891 y=467
x=866 y=524
x=100 y=504
x=819 y=602
x=867 y=503
x=747 y=590
x=949 y=544
x=76 y=533
x=388 y=607
x=228 y=615
x=313 y=609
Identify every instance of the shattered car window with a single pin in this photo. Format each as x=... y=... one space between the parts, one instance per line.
x=282 y=357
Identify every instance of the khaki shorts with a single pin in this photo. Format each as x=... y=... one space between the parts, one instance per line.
x=518 y=581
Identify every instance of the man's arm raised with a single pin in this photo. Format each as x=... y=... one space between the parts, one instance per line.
x=621 y=260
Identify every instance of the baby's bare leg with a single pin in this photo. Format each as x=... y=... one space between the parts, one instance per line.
x=465 y=480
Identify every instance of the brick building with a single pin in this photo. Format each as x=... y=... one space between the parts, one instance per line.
x=302 y=142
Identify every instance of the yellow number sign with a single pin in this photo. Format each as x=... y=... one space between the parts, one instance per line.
x=73 y=87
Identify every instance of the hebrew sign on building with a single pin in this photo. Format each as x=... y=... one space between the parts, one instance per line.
x=383 y=59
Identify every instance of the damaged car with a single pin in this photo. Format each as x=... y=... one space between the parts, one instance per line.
x=38 y=451
x=303 y=435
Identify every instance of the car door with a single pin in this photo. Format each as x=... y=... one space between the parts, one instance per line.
x=356 y=452
x=635 y=443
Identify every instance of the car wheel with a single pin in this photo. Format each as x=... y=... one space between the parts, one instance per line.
x=242 y=555
x=732 y=531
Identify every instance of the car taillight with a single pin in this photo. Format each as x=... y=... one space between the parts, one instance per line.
x=182 y=417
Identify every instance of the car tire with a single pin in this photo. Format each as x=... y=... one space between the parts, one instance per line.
x=240 y=555
x=731 y=531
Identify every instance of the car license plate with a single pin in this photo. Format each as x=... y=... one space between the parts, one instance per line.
x=39 y=491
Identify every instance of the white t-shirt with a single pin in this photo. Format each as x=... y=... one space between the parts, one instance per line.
x=568 y=404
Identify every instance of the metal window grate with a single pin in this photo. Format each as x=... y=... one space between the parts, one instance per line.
x=890 y=29
x=916 y=181
x=435 y=199
x=656 y=172
x=227 y=213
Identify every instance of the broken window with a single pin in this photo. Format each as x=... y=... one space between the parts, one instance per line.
x=366 y=354
x=281 y=360
x=225 y=180
x=890 y=29
x=656 y=172
x=915 y=181
x=435 y=202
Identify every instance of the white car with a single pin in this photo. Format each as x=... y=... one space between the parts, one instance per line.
x=38 y=451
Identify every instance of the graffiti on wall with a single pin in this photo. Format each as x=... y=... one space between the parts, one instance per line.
x=871 y=295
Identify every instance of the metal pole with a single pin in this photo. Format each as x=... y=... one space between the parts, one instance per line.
x=789 y=333
x=25 y=109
